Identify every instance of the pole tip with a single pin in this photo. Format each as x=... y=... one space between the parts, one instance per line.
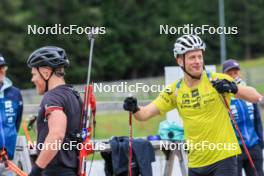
x=92 y=33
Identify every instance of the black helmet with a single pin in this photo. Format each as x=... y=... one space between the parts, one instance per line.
x=50 y=56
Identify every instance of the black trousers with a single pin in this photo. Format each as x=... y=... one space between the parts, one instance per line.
x=257 y=157
x=226 y=167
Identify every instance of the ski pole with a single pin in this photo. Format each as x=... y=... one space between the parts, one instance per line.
x=130 y=146
x=30 y=143
x=239 y=134
x=10 y=165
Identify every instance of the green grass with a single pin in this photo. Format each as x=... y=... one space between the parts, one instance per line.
x=255 y=63
x=252 y=63
x=260 y=88
x=116 y=124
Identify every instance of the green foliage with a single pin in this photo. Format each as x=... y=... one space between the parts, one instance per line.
x=132 y=46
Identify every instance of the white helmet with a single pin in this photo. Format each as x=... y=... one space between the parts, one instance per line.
x=187 y=43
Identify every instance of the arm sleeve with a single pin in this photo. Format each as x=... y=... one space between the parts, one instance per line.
x=166 y=101
x=20 y=111
x=53 y=101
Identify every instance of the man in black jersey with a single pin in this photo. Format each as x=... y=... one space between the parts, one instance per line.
x=58 y=116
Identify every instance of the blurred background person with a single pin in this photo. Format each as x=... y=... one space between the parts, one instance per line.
x=11 y=108
x=248 y=118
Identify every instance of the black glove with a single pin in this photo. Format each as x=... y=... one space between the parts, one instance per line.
x=31 y=122
x=130 y=104
x=35 y=171
x=223 y=85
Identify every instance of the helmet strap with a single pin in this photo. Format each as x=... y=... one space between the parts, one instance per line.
x=46 y=80
x=189 y=74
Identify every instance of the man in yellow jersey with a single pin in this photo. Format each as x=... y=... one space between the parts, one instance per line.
x=207 y=126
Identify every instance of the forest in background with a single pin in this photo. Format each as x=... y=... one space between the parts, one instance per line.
x=132 y=46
